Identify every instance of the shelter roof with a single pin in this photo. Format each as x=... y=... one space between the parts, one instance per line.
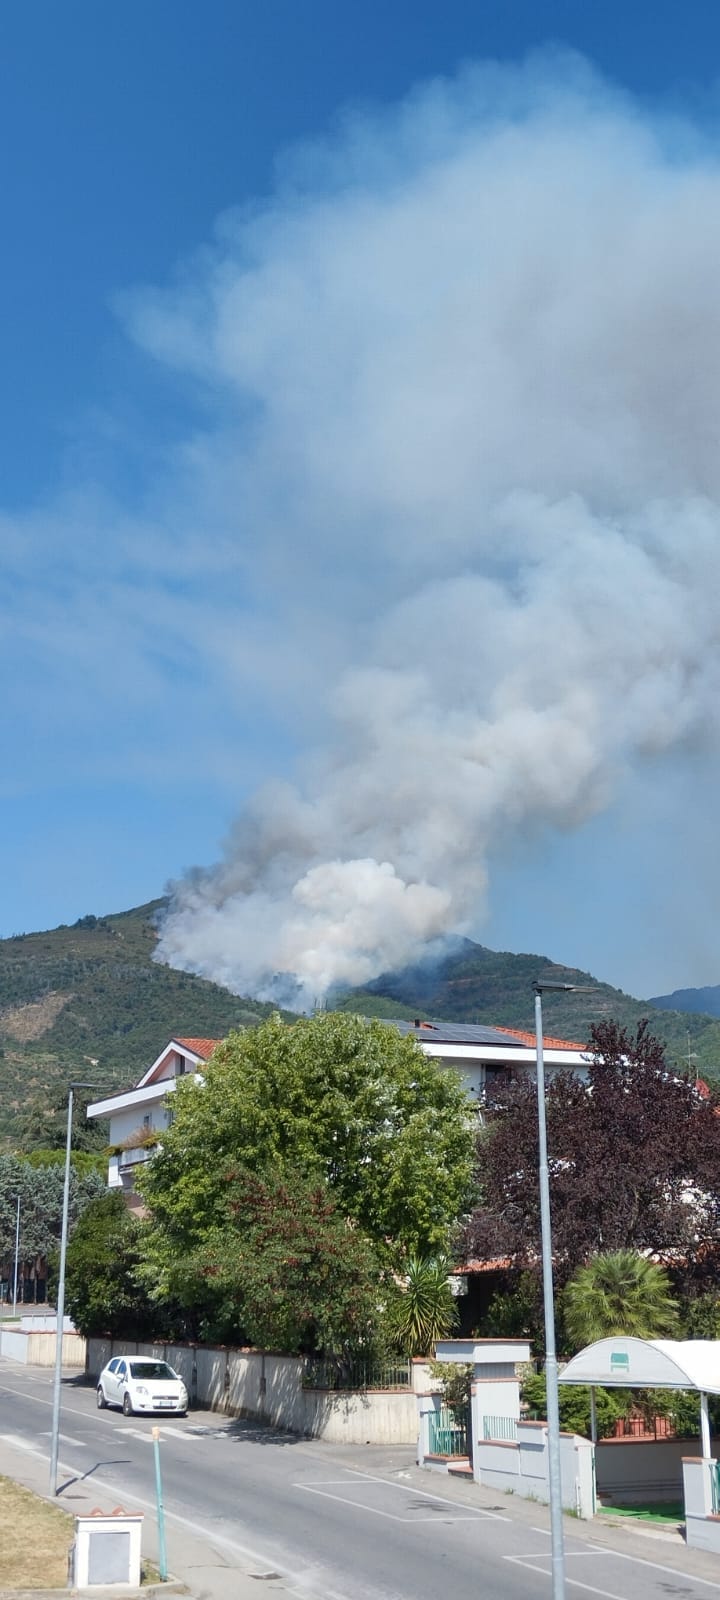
x=627 y=1363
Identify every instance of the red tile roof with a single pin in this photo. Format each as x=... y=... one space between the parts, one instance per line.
x=549 y=1041
x=200 y=1047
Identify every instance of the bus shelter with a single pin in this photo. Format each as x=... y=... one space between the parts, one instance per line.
x=623 y=1363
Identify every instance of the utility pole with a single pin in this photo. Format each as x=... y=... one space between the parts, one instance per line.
x=17 y=1250
x=60 y=1308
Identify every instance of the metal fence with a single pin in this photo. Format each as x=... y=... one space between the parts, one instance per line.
x=500 y=1428
x=358 y=1375
x=448 y=1433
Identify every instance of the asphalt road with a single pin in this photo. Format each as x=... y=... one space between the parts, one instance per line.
x=339 y=1522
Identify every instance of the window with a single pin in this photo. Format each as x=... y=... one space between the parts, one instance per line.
x=147 y=1121
x=181 y=1066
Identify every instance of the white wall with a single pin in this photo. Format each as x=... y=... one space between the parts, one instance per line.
x=128 y=1121
x=38 y=1349
x=522 y=1468
x=268 y=1387
x=630 y=1471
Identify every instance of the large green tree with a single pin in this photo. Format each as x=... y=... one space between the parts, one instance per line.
x=103 y=1290
x=344 y=1103
x=40 y=1190
x=280 y=1268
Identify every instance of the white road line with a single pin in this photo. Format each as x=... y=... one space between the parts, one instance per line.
x=607 y=1594
x=657 y=1566
x=67 y=1439
x=544 y=1555
x=409 y=1521
x=407 y=1488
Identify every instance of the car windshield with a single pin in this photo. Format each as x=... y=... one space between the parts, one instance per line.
x=151 y=1369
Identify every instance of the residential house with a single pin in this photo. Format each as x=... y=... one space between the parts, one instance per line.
x=138 y=1116
x=485 y=1057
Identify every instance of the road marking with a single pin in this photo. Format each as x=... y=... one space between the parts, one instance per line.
x=208 y=1536
x=607 y=1594
x=67 y=1439
x=342 y=1499
x=677 y=1572
x=477 y=1511
x=544 y=1555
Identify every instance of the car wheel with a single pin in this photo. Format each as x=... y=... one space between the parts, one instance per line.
x=102 y=1402
x=127 y=1405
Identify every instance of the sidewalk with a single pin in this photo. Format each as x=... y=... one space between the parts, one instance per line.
x=203 y=1566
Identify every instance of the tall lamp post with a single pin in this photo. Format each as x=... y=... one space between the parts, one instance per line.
x=551 y=1367
x=17 y=1252
x=60 y=1308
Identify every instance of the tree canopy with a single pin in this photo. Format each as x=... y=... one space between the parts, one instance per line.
x=41 y=1197
x=620 y=1292
x=634 y=1158
x=342 y=1102
x=280 y=1268
x=102 y=1285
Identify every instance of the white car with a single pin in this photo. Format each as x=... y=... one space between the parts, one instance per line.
x=140 y=1383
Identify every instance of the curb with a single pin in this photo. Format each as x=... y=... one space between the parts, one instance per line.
x=104 y=1592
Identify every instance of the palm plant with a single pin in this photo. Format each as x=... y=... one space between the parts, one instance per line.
x=425 y=1310
x=619 y=1293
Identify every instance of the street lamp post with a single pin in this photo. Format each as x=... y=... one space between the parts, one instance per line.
x=60 y=1307
x=551 y=1367
x=17 y=1251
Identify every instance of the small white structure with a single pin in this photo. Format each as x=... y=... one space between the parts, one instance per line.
x=107 y=1550
x=626 y=1363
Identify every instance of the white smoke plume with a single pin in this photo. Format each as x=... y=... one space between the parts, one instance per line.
x=472 y=351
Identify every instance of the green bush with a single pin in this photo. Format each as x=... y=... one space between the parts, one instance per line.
x=610 y=1404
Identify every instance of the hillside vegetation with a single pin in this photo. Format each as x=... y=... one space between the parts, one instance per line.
x=706 y=1000
x=88 y=1001
x=473 y=984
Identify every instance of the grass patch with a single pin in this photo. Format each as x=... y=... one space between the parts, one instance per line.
x=36 y=1537
x=659 y=1512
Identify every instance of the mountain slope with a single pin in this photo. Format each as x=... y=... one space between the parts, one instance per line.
x=88 y=1001
x=473 y=984
x=705 y=1000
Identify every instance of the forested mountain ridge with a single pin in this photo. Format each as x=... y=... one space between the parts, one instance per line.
x=705 y=1000
x=471 y=983
x=88 y=1001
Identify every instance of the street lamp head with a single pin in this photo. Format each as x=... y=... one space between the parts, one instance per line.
x=541 y=987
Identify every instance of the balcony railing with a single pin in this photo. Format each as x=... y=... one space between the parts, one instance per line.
x=132 y=1158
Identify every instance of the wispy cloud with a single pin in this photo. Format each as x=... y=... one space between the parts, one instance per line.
x=453 y=520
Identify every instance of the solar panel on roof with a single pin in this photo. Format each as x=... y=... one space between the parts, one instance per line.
x=455 y=1033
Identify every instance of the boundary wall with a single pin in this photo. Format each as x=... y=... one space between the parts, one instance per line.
x=34 y=1348
x=268 y=1388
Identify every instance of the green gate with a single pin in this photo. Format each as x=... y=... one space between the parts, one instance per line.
x=448 y=1433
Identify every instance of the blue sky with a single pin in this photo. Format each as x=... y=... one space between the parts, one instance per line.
x=166 y=651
